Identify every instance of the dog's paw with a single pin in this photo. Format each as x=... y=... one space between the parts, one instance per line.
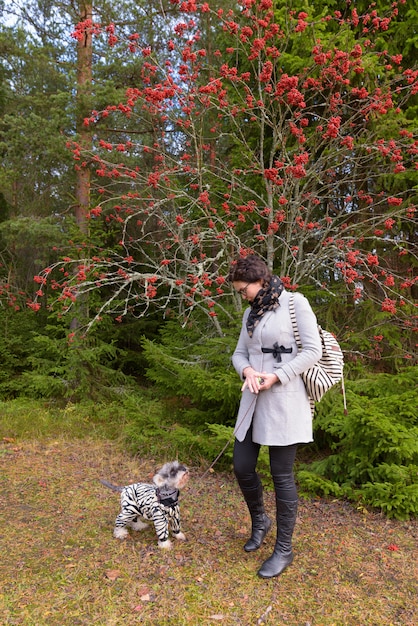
x=165 y=545
x=138 y=525
x=120 y=533
x=180 y=536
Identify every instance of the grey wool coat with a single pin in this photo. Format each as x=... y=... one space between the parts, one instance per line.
x=281 y=415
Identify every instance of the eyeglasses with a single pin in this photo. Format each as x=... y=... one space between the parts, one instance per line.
x=243 y=290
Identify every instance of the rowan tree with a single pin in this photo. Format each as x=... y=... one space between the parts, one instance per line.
x=263 y=128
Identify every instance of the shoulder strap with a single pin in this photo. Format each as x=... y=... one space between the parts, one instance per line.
x=293 y=319
x=298 y=343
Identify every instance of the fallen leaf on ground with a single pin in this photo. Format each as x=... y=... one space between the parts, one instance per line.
x=146 y=597
x=112 y=574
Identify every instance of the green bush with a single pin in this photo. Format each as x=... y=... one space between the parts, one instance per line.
x=155 y=429
x=198 y=368
x=373 y=449
x=17 y=330
x=76 y=371
x=38 y=361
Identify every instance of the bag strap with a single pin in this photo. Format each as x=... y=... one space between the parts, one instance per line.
x=294 y=320
x=297 y=338
x=299 y=344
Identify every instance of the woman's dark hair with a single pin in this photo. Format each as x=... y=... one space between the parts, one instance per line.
x=249 y=269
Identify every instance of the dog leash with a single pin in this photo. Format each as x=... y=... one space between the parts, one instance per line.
x=231 y=438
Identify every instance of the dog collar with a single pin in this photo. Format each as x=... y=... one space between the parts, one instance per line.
x=168 y=497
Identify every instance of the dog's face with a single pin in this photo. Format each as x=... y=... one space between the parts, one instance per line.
x=172 y=474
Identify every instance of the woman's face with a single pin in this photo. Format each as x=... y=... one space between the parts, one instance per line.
x=248 y=291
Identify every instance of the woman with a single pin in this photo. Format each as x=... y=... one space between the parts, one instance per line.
x=274 y=408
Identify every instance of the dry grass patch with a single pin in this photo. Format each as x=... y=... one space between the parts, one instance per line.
x=61 y=566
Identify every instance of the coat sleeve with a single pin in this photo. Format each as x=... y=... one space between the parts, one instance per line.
x=311 y=350
x=240 y=358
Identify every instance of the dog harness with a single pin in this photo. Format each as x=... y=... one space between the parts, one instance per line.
x=167 y=497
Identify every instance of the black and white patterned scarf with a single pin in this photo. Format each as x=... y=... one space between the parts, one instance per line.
x=267 y=299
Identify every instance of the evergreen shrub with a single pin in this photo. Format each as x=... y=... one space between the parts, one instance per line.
x=373 y=449
x=196 y=365
x=155 y=429
x=16 y=346
x=76 y=371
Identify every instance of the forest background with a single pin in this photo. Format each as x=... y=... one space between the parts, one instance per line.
x=143 y=146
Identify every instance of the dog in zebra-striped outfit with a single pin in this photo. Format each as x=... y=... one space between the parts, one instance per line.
x=157 y=502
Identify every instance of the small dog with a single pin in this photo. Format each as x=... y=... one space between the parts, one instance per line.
x=156 y=502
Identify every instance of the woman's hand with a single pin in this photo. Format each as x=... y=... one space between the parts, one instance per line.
x=258 y=381
x=268 y=380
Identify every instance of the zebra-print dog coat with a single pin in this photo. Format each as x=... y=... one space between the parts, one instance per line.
x=152 y=503
x=156 y=502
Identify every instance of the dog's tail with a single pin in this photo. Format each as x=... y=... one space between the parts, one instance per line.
x=106 y=483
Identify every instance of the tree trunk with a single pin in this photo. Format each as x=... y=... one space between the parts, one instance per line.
x=84 y=85
x=83 y=102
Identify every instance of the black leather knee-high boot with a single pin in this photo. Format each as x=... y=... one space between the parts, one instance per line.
x=260 y=522
x=282 y=556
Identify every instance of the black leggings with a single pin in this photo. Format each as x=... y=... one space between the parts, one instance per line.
x=282 y=459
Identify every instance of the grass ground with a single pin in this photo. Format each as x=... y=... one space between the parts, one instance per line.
x=60 y=565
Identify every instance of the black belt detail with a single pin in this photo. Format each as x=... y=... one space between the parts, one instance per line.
x=277 y=351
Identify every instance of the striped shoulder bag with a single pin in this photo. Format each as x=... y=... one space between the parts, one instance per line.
x=328 y=371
